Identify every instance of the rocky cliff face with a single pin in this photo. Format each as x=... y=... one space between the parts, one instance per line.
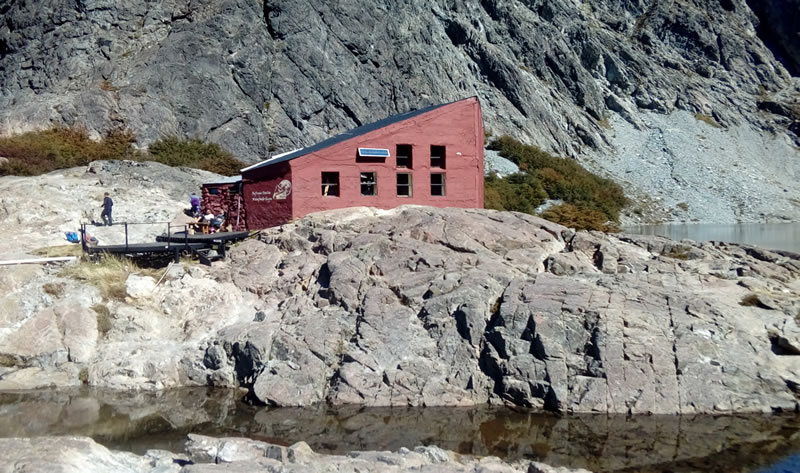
x=264 y=76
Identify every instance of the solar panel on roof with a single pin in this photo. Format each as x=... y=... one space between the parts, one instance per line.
x=373 y=153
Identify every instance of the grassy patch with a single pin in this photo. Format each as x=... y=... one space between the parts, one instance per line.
x=39 y=152
x=707 y=119
x=8 y=361
x=751 y=300
x=103 y=318
x=55 y=289
x=83 y=375
x=604 y=123
x=107 y=85
x=545 y=176
x=109 y=274
x=677 y=252
x=58 y=251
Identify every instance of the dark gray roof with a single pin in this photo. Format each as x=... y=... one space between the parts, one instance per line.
x=362 y=130
x=224 y=180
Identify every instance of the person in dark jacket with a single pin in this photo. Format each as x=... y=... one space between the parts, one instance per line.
x=106 y=214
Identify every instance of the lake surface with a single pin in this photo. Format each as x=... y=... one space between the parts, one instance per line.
x=140 y=421
x=779 y=236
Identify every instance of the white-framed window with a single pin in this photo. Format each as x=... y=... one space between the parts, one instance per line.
x=404 y=156
x=438 y=184
x=404 y=187
x=438 y=156
x=369 y=183
x=330 y=184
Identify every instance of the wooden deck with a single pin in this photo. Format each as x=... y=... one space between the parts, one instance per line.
x=175 y=243
x=142 y=248
x=182 y=237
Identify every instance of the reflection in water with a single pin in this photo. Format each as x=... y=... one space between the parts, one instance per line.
x=780 y=236
x=137 y=422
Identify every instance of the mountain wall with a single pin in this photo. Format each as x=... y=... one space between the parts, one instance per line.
x=259 y=77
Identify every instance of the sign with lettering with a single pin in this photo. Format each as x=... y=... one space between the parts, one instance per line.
x=262 y=196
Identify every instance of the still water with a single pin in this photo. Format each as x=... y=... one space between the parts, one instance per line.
x=600 y=443
x=779 y=236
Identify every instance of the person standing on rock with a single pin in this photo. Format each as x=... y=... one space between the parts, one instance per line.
x=194 y=201
x=106 y=214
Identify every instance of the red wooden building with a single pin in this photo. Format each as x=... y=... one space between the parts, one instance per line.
x=225 y=197
x=432 y=156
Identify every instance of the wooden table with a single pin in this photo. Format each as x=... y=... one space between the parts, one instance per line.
x=205 y=227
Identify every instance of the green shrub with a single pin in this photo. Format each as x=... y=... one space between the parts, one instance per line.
x=579 y=218
x=518 y=192
x=39 y=152
x=174 y=151
x=549 y=177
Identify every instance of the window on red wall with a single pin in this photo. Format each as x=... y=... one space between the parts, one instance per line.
x=404 y=188
x=437 y=184
x=330 y=184
x=438 y=156
x=369 y=183
x=404 y=156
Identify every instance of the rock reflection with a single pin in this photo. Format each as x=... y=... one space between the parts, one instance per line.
x=141 y=421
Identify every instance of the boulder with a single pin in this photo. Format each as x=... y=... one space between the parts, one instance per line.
x=34 y=377
x=786 y=336
x=139 y=287
x=78 y=326
x=439 y=307
x=37 y=340
x=211 y=455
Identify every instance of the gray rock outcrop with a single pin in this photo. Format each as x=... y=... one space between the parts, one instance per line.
x=421 y=306
x=259 y=77
x=207 y=455
x=431 y=307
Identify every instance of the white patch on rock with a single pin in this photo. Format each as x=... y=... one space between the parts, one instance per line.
x=139 y=287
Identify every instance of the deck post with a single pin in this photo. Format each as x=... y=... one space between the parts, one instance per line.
x=177 y=254
x=84 y=246
x=169 y=236
x=126 y=236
